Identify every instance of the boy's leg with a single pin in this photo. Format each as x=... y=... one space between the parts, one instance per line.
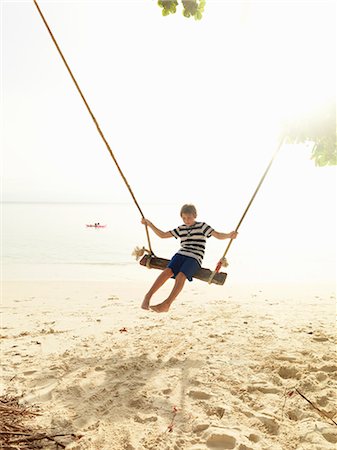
x=164 y=276
x=178 y=285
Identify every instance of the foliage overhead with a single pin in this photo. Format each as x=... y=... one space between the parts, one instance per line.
x=318 y=127
x=191 y=8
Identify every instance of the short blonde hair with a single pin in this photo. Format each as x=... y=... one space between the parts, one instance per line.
x=188 y=209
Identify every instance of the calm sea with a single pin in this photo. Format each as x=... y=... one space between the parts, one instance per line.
x=50 y=241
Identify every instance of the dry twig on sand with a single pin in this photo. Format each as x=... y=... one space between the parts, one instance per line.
x=291 y=393
x=16 y=432
x=324 y=414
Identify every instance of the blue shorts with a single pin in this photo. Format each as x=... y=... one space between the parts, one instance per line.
x=185 y=264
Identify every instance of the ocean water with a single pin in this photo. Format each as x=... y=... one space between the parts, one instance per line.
x=50 y=241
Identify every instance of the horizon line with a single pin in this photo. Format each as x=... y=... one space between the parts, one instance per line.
x=77 y=202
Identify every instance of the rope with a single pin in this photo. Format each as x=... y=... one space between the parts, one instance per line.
x=222 y=261
x=95 y=121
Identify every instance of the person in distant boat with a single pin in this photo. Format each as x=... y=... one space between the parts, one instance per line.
x=187 y=261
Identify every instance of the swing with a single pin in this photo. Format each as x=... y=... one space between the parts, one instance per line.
x=152 y=262
x=149 y=260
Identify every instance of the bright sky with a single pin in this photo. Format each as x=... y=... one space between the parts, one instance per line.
x=188 y=107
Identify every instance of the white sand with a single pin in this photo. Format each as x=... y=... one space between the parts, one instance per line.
x=223 y=357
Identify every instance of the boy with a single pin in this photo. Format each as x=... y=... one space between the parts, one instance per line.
x=187 y=261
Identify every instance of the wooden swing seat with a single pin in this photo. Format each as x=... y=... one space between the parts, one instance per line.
x=153 y=262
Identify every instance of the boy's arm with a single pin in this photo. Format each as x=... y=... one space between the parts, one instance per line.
x=231 y=235
x=160 y=233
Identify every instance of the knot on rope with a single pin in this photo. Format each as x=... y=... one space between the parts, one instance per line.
x=139 y=252
x=224 y=262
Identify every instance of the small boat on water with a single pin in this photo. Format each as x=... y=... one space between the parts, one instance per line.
x=96 y=225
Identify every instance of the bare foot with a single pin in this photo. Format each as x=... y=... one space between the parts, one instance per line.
x=162 y=307
x=146 y=302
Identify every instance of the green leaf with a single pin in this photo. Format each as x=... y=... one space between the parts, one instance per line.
x=325 y=153
x=318 y=125
x=193 y=8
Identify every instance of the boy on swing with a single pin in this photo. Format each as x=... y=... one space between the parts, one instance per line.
x=187 y=261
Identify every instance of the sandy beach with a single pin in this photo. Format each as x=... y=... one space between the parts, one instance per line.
x=219 y=371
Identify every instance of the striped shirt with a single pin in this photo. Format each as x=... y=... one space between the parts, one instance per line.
x=193 y=239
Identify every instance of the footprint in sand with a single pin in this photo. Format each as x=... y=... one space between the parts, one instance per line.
x=145 y=418
x=329 y=368
x=200 y=426
x=229 y=439
x=270 y=423
x=330 y=435
x=167 y=391
x=286 y=358
x=323 y=400
x=29 y=372
x=289 y=372
x=200 y=395
x=321 y=376
x=295 y=414
x=265 y=389
x=221 y=440
x=320 y=338
x=254 y=437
